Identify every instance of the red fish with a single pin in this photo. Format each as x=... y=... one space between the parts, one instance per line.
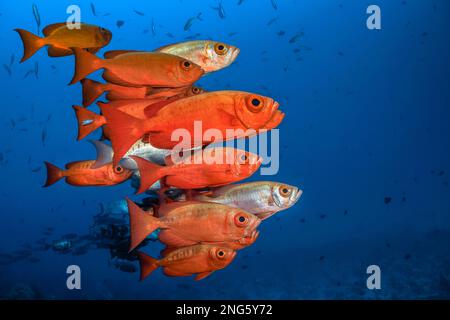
x=201 y=260
x=138 y=69
x=220 y=110
x=81 y=174
x=204 y=168
x=188 y=223
x=61 y=39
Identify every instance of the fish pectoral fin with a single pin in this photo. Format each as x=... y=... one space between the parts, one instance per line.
x=229 y=118
x=202 y=275
x=59 y=52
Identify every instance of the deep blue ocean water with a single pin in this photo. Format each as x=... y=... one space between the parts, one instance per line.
x=367 y=120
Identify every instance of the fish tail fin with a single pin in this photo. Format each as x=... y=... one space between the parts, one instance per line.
x=124 y=130
x=54 y=174
x=147 y=264
x=31 y=43
x=91 y=91
x=85 y=64
x=141 y=224
x=88 y=121
x=149 y=172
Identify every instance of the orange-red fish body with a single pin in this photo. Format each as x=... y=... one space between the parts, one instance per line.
x=81 y=174
x=201 y=260
x=188 y=223
x=221 y=111
x=208 y=167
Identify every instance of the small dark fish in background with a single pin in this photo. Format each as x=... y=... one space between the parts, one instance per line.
x=194 y=36
x=94 y=12
x=340 y=53
x=387 y=200
x=12 y=59
x=271 y=21
x=407 y=256
x=7 y=69
x=36 y=169
x=220 y=10
x=37 y=17
x=153 y=28
x=36 y=70
x=139 y=13
x=32 y=71
x=296 y=37
x=323 y=216
x=170 y=35
x=190 y=21
x=240 y=2
x=281 y=33
x=232 y=34
x=44 y=136
x=274 y=4
x=322 y=258
x=120 y=23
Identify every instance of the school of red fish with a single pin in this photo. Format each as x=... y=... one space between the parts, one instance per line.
x=151 y=94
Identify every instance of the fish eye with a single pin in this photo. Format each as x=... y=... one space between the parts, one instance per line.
x=118 y=169
x=241 y=220
x=186 y=65
x=284 y=191
x=243 y=158
x=255 y=104
x=220 y=253
x=220 y=48
x=195 y=90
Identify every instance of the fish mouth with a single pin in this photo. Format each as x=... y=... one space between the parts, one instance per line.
x=235 y=53
x=275 y=119
x=295 y=196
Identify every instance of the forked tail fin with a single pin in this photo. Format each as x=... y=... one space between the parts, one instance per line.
x=147 y=264
x=149 y=172
x=85 y=64
x=88 y=121
x=54 y=174
x=91 y=91
x=141 y=224
x=31 y=43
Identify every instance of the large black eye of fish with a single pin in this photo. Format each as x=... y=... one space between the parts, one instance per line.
x=118 y=169
x=255 y=104
x=220 y=48
x=284 y=191
x=186 y=65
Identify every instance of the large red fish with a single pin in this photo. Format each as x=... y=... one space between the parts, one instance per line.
x=61 y=39
x=208 y=167
x=201 y=260
x=220 y=110
x=188 y=223
x=133 y=69
x=81 y=174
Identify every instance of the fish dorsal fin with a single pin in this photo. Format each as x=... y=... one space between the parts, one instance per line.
x=202 y=275
x=104 y=154
x=52 y=27
x=114 y=53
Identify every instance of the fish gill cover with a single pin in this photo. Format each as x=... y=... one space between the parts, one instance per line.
x=151 y=76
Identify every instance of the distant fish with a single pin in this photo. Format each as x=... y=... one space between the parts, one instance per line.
x=170 y=35
x=94 y=12
x=120 y=23
x=240 y=2
x=232 y=34
x=28 y=73
x=281 y=33
x=44 y=136
x=296 y=37
x=152 y=28
x=192 y=37
x=36 y=169
x=274 y=4
x=271 y=21
x=36 y=70
x=37 y=17
x=387 y=200
x=139 y=13
x=12 y=59
x=8 y=69
x=220 y=10
x=190 y=21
